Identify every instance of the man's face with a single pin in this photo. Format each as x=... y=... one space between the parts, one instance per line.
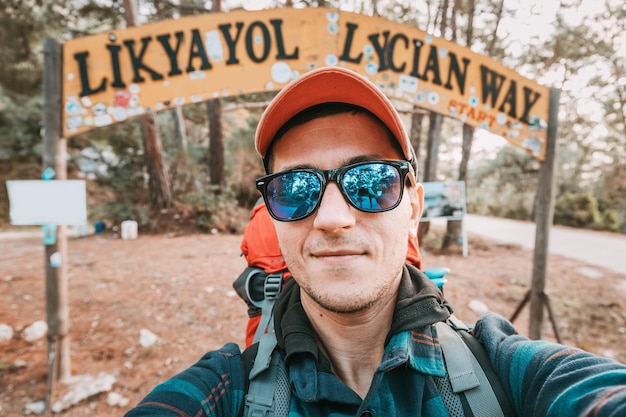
x=344 y=260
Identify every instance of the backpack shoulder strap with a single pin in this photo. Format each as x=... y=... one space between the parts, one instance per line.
x=482 y=359
x=271 y=290
x=471 y=378
x=268 y=393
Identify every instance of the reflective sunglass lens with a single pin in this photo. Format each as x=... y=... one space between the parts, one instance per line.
x=293 y=195
x=372 y=187
x=368 y=186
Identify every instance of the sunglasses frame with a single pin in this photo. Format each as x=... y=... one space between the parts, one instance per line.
x=325 y=176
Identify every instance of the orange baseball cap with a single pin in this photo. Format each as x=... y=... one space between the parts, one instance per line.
x=327 y=85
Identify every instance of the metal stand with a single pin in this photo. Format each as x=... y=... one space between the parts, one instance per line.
x=545 y=300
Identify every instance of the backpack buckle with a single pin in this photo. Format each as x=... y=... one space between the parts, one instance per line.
x=273 y=285
x=258 y=410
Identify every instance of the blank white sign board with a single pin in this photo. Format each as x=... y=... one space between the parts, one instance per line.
x=37 y=202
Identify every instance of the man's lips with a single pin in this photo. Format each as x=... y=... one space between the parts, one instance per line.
x=336 y=253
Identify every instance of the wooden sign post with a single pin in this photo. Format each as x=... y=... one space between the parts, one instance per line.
x=54 y=157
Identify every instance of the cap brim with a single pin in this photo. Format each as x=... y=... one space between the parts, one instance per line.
x=326 y=85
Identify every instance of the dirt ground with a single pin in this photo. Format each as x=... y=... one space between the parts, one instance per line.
x=179 y=288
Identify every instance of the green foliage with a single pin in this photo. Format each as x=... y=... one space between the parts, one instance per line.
x=116 y=212
x=610 y=192
x=244 y=164
x=21 y=26
x=121 y=193
x=20 y=127
x=577 y=210
x=214 y=207
x=504 y=186
x=126 y=177
x=24 y=23
x=611 y=220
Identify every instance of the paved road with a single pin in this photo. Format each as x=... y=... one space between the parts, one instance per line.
x=607 y=250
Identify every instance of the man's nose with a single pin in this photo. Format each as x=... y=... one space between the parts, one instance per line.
x=334 y=211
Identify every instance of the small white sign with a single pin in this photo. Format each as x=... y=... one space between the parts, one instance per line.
x=37 y=202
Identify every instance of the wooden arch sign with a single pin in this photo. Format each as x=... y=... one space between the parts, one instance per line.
x=110 y=77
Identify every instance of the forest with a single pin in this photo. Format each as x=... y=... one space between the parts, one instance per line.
x=200 y=175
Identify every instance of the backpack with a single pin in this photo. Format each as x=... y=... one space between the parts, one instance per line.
x=470 y=388
x=266 y=266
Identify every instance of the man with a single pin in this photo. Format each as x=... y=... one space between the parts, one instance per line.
x=355 y=324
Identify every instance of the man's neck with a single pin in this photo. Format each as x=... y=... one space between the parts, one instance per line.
x=354 y=343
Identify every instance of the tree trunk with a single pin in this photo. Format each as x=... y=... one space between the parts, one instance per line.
x=430 y=167
x=375 y=8
x=432 y=151
x=417 y=119
x=455 y=227
x=216 y=135
x=160 y=190
x=468 y=140
x=216 y=142
x=492 y=43
x=180 y=174
x=181 y=130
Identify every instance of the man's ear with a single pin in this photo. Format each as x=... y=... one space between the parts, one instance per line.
x=416 y=194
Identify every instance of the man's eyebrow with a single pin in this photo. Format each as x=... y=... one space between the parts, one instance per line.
x=294 y=167
x=364 y=158
x=353 y=160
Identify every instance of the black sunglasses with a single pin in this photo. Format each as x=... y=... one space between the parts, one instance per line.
x=369 y=186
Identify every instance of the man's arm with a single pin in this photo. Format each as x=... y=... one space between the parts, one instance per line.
x=212 y=387
x=548 y=379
